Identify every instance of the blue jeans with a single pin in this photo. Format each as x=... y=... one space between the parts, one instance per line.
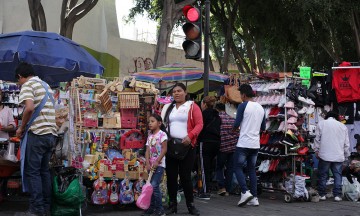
x=225 y=159
x=246 y=157
x=37 y=158
x=156 y=200
x=336 y=169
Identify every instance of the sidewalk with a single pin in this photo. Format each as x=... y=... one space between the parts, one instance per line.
x=226 y=206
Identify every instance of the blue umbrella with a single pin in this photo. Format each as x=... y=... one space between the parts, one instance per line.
x=54 y=57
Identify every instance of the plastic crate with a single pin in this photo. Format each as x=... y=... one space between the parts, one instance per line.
x=128 y=118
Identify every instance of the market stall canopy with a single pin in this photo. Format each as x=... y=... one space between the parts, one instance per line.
x=176 y=72
x=54 y=57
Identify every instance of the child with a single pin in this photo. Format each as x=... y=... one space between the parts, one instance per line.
x=156 y=147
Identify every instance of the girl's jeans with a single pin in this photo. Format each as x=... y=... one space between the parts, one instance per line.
x=156 y=200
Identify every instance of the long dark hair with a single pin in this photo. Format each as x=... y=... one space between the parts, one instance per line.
x=171 y=107
x=159 y=119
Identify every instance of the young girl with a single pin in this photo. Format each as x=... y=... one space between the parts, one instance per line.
x=156 y=147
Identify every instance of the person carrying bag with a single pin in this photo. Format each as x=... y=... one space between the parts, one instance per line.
x=184 y=122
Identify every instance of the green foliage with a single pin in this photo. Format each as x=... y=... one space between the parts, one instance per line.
x=298 y=32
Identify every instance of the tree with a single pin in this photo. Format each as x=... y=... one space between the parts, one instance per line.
x=37 y=14
x=71 y=12
x=167 y=12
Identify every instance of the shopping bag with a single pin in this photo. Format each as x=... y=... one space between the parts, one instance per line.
x=351 y=191
x=144 y=199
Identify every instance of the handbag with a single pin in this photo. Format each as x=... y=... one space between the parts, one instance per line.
x=176 y=149
x=232 y=91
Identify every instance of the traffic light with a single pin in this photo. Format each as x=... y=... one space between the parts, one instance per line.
x=193 y=32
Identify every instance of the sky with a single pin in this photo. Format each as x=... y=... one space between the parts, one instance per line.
x=142 y=29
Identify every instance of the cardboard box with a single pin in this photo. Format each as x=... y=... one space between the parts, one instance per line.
x=112 y=122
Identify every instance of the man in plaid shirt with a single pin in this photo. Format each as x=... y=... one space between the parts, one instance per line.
x=229 y=139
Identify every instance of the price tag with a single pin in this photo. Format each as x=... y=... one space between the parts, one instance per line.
x=305 y=72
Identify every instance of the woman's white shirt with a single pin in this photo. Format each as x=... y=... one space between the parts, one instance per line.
x=178 y=119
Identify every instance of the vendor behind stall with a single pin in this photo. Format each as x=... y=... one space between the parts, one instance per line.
x=7 y=121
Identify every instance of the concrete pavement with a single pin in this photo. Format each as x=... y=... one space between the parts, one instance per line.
x=271 y=204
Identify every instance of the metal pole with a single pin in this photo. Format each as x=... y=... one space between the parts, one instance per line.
x=207 y=56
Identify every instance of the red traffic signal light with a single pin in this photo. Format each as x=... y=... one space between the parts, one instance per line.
x=191 y=13
x=192 y=30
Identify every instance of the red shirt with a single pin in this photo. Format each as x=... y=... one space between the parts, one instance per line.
x=346 y=83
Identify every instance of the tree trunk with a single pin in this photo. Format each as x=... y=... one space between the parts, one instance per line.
x=216 y=50
x=258 y=56
x=37 y=15
x=228 y=33
x=242 y=65
x=355 y=26
x=164 y=33
x=170 y=15
x=71 y=12
x=211 y=64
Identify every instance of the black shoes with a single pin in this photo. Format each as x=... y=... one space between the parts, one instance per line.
x=172 y=209
x=192 y=210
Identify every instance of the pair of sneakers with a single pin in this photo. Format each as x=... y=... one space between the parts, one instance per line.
x=248 y=199
x=306 y=100
x=336 y=199
x=151 y=212
x=307 y=110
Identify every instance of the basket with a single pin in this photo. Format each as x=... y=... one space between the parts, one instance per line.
x=132 y=139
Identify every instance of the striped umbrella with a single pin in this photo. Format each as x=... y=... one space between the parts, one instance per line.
x=176 y=72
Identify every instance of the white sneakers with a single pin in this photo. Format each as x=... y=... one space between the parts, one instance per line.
x=306 y=100
x=245 y=198
x=307 y=110
x=303 y=110
x=310 y=110
x=337 y=199
x=253 y=202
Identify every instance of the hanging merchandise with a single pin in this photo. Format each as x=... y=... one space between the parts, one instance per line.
x=126 y=188
x=100 y=195
x=346 y=82
x=113 y=188
x=232 y=90
x=317 y=91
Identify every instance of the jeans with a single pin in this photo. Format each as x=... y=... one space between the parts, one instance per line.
x=36 y=170
x=225 y=159
x=242 y=157
x=208 y=151
x=182 y=168
x=156 y=200
x=336 y=169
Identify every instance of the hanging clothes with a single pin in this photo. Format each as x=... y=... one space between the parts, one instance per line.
x=346 y=83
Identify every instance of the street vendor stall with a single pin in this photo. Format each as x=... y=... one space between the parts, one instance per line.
x=55 y=59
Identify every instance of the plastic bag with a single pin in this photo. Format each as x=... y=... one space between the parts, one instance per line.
x=73 y=195
x=351 y=191
x=144 y=199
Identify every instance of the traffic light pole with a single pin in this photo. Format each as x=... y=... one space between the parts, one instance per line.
x=207 y=54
